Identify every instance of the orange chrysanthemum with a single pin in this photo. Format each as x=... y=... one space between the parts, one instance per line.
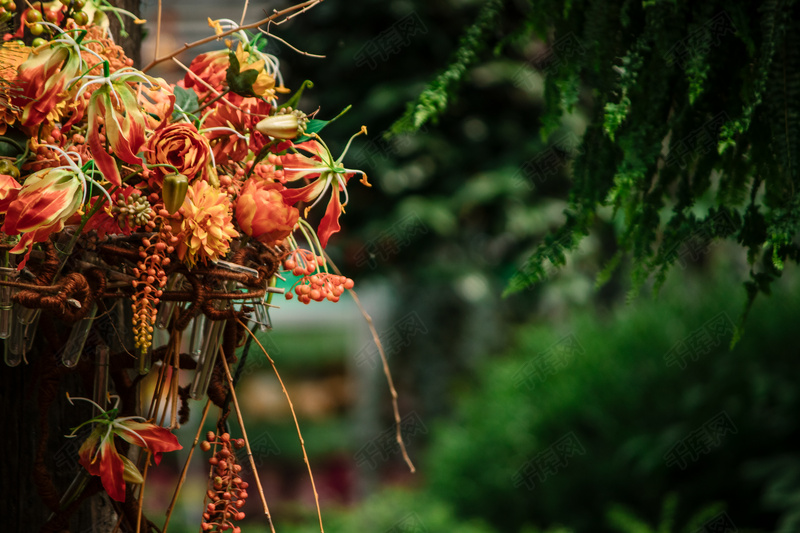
x=207 y=225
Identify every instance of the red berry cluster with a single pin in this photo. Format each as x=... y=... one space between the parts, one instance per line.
x=302 y=262
x=314 y=285
x=320 y=287
x=228 y=492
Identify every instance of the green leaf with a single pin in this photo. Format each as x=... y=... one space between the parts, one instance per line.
x=315 y=125
x=186 y=101
x=292 y=102
x=239 y=82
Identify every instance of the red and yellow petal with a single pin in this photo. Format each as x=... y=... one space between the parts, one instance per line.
x=111 y=470
x=330 y=222
x=156 y=438
x=104 y=462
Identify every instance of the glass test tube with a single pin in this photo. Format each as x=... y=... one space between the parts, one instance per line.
x=73 y=349
x=207 y=359
x=6 y=312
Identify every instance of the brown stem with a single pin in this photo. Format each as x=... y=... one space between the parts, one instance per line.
x=246 y=441
x=188 y=46
x=141 y=493
x=386 y=371
x=186 y=467
x=294 y=416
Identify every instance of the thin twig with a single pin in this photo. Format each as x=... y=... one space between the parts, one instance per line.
x=186 y=467
x=284 y=41
x=244 y=435
x=293 y=15
x=244 y=11
x=141 y=494
x=302 y=7
x=119 y=523
x=294 y=416
x=386 y=371
x=158 y=30
x=155 y=401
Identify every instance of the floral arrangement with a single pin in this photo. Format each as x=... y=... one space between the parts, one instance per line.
x=129 y=202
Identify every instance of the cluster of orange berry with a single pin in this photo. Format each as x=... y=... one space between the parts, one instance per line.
x=320 y=287
x=228 y=492
x=314 y=285
x=150 y=271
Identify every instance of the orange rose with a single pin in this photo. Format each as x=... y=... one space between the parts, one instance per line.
x=181 y=146
x=262 y=213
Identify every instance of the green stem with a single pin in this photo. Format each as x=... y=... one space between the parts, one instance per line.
x=263 y=152
x=220 y=95
x=94 y=209
x=129 y=176
x=313 y=242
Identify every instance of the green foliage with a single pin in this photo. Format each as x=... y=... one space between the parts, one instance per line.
x=625 y=520
x=393 y=510
x=628 y=407
x=185 y=102
x=692 y=105
x=436 y=97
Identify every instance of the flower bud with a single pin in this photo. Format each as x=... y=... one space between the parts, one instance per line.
x=174 y=191
x=282 y=126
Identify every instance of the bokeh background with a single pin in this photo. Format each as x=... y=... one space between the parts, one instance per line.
x=566 y=407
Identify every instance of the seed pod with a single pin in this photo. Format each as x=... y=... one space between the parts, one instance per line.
x=174 y=191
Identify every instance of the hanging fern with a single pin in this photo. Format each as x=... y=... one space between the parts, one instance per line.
x=436 y=97
x=694 y=132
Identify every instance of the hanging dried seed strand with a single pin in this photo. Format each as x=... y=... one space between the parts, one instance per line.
x=227 y=492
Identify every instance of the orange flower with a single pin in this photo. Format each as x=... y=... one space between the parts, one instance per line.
x=114 y=104
x=227 y=128
x=13 y=56
x=207 y=226
x=262 y=213
x=211 y=68
x=181 y=146
x=247 y=75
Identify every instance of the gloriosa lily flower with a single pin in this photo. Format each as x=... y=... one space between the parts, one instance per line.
x=124 y=122
x=44 y=77
x=45 y=201
x=9 y=188
x=99 y=456
x=329 y=173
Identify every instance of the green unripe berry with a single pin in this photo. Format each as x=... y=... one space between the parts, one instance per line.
x=80 y=18
x=33 y=16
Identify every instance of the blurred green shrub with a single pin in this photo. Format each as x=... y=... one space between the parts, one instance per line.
x=582 y=416
x=393 y=511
